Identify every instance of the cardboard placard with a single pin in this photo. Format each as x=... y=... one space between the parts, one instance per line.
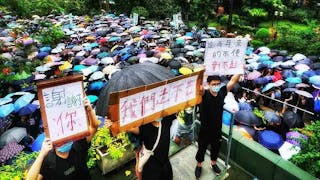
x=141 y=105
x=62 y=109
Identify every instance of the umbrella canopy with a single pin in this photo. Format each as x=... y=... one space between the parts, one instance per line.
x=130 y=77
x=268 y=87
x=5 y=110
x=37 y=143
x=23 y=101
x=270 y=139
x=253 y=75
x=15 y=134
x=292 y=119
x=304 y=93
x=272 y=117
x=247 y=118
x=29 y=109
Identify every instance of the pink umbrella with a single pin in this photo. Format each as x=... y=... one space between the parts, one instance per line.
x=142 y=55
x=253 y=75
x=301 y=67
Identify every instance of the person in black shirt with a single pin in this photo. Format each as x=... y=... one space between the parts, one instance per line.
x=158 y=166
x=211 y=109
x=66 y=162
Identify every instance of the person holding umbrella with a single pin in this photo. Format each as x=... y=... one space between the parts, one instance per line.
x=211 y=109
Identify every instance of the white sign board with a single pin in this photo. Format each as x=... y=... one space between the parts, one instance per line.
x=287 y=150
x=225 y=56
x=143 y=104
x=62 y=109
x=135 y=18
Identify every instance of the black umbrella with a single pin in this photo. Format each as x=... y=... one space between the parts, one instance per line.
x=292 y=120
x=316 y=65
x=130 y=77
x=247 y=118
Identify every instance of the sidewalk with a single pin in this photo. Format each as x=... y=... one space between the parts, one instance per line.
x=183 y=164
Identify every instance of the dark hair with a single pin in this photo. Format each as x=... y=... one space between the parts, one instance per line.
x=212 y=78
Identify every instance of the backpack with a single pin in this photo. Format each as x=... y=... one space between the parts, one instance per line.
x=317 y=104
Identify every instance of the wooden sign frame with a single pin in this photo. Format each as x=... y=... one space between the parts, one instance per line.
x=114 y=103
x=58 y=82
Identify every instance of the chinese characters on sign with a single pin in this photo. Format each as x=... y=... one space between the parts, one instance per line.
x=225 y=56
x=146 y=103
x=65 y=113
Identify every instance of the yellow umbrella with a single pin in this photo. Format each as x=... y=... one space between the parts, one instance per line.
x=185 y=71
x=65 y=65
x=166 y=56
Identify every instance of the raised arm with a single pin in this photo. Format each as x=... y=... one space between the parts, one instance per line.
x=34 y=172
x=92 y=118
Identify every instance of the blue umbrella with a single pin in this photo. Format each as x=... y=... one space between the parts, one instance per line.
x=102 y=55
x=270 y=139
x=37 y=143
x=288 y=73
x=5 y=110
x=45 y=49
x=268 y=87
x=5 y=100
x=92 y=98
x=314 y=79
x=261 y=80
x=97 y=85
x=23 y=101
x=114 y=39
x=295 y=80
x=245 y=106
x=264 y=57
x=28 y=109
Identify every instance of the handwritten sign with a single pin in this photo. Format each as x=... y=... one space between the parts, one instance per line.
x=62 y=109
x=141 y=105
x=225 y=56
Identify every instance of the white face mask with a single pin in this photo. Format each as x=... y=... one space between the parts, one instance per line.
x=216 y=88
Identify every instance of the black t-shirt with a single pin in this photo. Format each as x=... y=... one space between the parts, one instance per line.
x=211 y=109
x=148 y=136
x=74 y=167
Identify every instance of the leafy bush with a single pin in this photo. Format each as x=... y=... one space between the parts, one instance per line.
x=22 y=8
x=141 y=11
x=246 y=30
x=256 y=15
x=113 y=145
x=256 y=43
x=262 y=34
x=309 y=156
x=299 y=15
x=50 y=36
x=19 y=167
x=297 y=40
x=235 y=20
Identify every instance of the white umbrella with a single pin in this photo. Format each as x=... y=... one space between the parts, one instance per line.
x=304 y=93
